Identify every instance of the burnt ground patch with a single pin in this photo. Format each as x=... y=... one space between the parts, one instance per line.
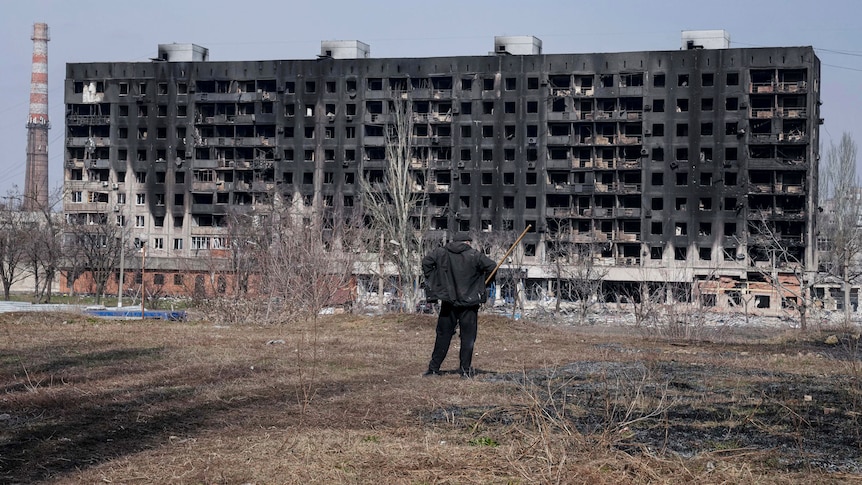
x=794 y=421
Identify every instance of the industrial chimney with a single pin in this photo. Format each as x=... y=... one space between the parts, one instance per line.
x=36 y=178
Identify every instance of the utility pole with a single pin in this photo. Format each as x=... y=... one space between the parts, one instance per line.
x=143 y=281
x=122 y=223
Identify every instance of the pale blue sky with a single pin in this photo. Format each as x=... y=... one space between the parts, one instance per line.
x=121 y=30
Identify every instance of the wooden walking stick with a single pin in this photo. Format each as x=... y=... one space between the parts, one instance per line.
x=488 y=279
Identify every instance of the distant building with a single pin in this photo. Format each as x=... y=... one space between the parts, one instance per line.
x=664 y=165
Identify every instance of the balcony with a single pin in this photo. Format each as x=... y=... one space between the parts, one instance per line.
x=762 y=113
x=203 y=186
x=87 y=120
x=792 y=87
x=435 y=187
x=627 y=212
x=793 y=112
x=560 y=212
x=218 y=141
x=793 y=137
x=85 y=141
x=764 y=87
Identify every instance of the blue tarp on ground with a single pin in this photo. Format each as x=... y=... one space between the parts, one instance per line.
x=136 y=313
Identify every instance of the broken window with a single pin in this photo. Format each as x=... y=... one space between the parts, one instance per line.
x=657 y=203
x=631 y=79
x=680 y=254
x=658 y=80
x=706 y=104
x=375 y=84
x=488 y=84
x=730 y=204
x=606 y=80
x=657 y=178
x=705 y=254
x=658 y=105
x=729 y=229
x=706 y=129
x=681 y=130
x=682 y=80
x=681 y=105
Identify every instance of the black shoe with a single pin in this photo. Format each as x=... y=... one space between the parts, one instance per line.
x=432 y=373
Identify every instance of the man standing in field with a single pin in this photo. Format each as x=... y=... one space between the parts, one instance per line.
x=455 y=274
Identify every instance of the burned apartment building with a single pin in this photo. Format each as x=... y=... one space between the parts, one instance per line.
x=690 y=165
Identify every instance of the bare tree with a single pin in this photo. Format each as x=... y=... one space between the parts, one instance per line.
x=577 y=275
x=99 y=245
x=509 y=280
x=841 y=226
x=44 y=244
x=780 y=261
x=394 y=203
x=13 y=242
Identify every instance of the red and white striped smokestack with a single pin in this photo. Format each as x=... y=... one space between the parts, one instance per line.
x=36 y=178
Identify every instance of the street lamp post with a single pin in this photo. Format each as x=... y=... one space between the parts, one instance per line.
x=143 y=284
x=121 y=223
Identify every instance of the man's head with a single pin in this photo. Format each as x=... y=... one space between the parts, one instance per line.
x=461 y=237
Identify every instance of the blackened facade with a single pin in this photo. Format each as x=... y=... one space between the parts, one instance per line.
x=666 y=164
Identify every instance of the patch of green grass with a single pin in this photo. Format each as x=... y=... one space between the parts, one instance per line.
x=484 y=441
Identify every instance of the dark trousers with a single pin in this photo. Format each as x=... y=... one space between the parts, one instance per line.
x=449 y=318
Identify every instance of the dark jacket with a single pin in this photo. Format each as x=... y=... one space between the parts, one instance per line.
x=455 y=273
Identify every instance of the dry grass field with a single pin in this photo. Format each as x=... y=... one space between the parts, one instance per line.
x=342 y=401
